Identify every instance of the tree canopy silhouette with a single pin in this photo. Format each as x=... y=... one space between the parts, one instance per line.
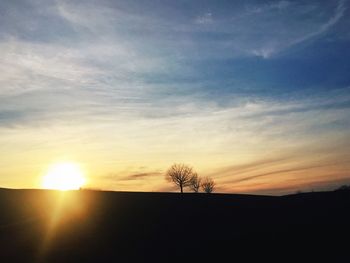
x=180 y=174
x=195 y=183
x=208 y=185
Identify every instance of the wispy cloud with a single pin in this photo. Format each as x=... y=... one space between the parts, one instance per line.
x=115 y=84
x=206 y=18
x=339 y=13
x=298 y=34
x=142 y=175
x=267 y=7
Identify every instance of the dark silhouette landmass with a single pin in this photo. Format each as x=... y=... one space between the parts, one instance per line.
x=98 y=226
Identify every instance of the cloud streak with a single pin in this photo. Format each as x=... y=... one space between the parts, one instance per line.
x=339 y=13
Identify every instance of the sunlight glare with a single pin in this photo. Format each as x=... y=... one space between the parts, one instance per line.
x=64 y=176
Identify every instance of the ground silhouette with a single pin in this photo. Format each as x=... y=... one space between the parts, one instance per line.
x=98 y=226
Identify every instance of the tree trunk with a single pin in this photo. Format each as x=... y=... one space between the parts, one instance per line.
x=181 y=188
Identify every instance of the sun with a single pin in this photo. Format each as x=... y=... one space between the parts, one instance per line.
x=63 y=176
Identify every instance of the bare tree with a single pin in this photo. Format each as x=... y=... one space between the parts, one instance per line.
x=208 y=185
x=195 y=183
x=180 y=174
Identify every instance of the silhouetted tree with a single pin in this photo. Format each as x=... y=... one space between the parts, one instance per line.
x=195 y=183
x=343 y=188
x=208 y=185
x=180 y=174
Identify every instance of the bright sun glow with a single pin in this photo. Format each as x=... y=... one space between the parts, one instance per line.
x=63 y=176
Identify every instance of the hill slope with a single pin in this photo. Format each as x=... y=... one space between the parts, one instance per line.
x=92 y=226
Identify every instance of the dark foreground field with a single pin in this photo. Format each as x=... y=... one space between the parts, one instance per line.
x=89 y=226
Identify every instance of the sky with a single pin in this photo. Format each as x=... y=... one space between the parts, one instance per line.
x=255 y=94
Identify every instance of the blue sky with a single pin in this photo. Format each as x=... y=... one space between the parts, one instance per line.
x=129 y=87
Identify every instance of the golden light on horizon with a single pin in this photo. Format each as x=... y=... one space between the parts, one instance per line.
x=64 y=176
